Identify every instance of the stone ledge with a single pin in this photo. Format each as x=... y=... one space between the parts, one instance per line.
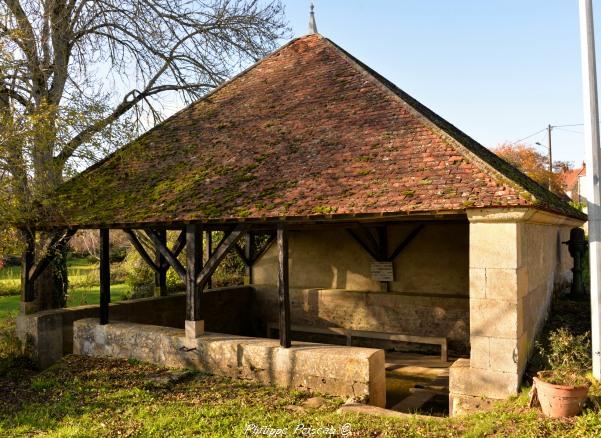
x=528 y=215
x=482 y=383
x=335 y=370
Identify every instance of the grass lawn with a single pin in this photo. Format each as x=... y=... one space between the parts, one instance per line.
x=90 y=397
x=83 y=286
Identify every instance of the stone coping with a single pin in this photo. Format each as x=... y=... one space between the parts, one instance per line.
x=527 y=215
x=330 y=369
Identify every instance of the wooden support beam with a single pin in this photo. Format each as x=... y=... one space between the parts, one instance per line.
x=105 y=276
x=260 y=251
x=160 y=274
x=27 y=263
x=406 y=241
x=382 y=233
x=373 y=253
x=372 y=242
x=179 y=245
x=169 y=256
x=208 y=251
x=382 y=243
x=229 y=240
x=131 y=235
x=242 y=254
x=56 y=245
x=249 y=254
x=193 y=268
x=283 y=285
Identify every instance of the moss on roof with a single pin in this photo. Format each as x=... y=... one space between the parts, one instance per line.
x=308 y=131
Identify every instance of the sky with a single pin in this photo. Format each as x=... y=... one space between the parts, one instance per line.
x=500 y=70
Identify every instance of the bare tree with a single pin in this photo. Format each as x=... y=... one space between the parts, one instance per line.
x=78 y=77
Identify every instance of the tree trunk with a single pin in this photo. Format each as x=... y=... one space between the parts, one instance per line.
x=51 y=286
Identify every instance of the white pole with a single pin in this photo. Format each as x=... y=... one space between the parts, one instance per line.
x=591 y=134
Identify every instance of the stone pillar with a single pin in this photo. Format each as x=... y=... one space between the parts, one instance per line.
x=498 y=280
x=506 y=306
x=41 y=336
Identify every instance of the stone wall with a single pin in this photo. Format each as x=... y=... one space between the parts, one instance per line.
x=49 y=334
x=435 y=262
x=422 y=315
x=340 y=371
x=331 y=283
x=516 y=262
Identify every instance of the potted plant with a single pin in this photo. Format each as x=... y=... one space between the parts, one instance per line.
x=562 y=389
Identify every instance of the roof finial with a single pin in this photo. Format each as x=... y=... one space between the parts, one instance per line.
x=312 y=25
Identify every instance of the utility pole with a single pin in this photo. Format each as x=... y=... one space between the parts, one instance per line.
x=591 y=135
x=549 y=129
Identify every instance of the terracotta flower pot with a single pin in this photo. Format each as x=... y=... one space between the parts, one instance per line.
x=559 y=401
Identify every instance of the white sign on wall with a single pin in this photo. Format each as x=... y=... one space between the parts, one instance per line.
x=382 y=271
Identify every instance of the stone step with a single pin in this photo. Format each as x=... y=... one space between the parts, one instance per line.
x=432 y=388
x=414 y=402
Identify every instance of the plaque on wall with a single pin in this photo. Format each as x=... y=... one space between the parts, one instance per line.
x=382 y=271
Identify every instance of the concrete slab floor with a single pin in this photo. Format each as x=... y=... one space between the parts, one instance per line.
x=417 y=383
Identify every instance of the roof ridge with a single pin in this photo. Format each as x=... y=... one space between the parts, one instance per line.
x=481 y=153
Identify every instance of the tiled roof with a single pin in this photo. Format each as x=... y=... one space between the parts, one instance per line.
x=570 y=177
x=307 y=131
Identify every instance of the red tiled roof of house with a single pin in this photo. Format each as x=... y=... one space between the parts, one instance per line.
x=570 y=177
x=308 y=131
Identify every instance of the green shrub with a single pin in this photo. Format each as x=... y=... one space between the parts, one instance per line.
x=567 y=356
x=139 y=277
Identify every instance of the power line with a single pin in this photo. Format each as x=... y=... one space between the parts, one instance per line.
x=567 y=126
x=552 y=127
x=570 y=130
x=531 y=135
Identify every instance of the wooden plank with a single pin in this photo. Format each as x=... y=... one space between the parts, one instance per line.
x=228 y=241
x=27 y=262
x=105 y=276
x=283 y=285
x=432 y=340
x=193 y=267
x=169 y=256
x=317 y=330
x=160 y=274
x=349 y=333
x=133 y=239
x=208 y=251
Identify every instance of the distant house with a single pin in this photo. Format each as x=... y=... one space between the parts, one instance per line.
x=573 y=182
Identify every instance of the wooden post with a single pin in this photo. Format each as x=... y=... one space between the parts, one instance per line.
x=194 y=319
x=383 y=252
x=249 y=254
x=160 y=276
x=283 y=285
x=105 y=276
x=208 y=250
x=27 y=262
